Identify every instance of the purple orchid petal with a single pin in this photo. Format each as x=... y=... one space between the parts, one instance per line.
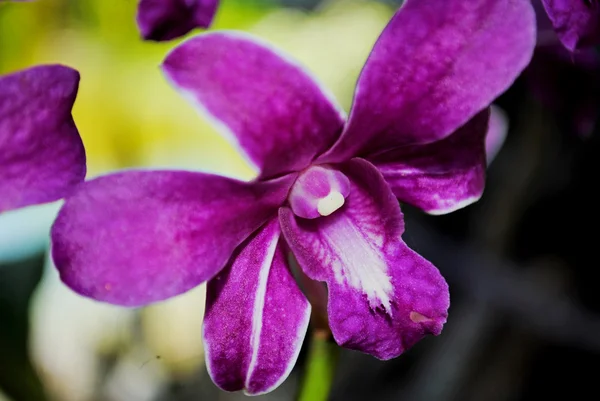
x=136 y=237
x=383 y=297
x=496 y=135
x=162 y=20
x=577 y=22
x=442 y=176
x=256 y=317
x=41 y=154
x=265 y=104
x=436 y=65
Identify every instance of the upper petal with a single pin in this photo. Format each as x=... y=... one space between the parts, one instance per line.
x=383 y=297
x=169 y=19
x=264 y=103
x=577 y=22
x=132 y=238
x=442 y=176
x=256 y=317
x=436 y=65
x=41 y=154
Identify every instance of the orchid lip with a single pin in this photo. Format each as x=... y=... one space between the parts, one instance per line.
x=319 y=191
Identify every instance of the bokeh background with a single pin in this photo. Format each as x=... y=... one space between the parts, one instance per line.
x=521 y=263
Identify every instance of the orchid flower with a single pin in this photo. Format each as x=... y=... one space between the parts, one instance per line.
x=162 y=20
x=41 y=154
x=325 y=190
x=577 y=22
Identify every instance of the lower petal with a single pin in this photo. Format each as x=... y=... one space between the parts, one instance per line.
x=137 y=237
x=256 y=317
x=383 y=297
x=442 y=176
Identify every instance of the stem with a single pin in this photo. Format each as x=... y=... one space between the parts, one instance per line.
x=320 y=368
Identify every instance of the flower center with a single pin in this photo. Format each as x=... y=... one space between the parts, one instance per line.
x=318 y=191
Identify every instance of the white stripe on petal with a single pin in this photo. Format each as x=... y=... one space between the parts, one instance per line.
x=298 y=341
x=359 y=262
x=259 y=305
x=452 y=205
